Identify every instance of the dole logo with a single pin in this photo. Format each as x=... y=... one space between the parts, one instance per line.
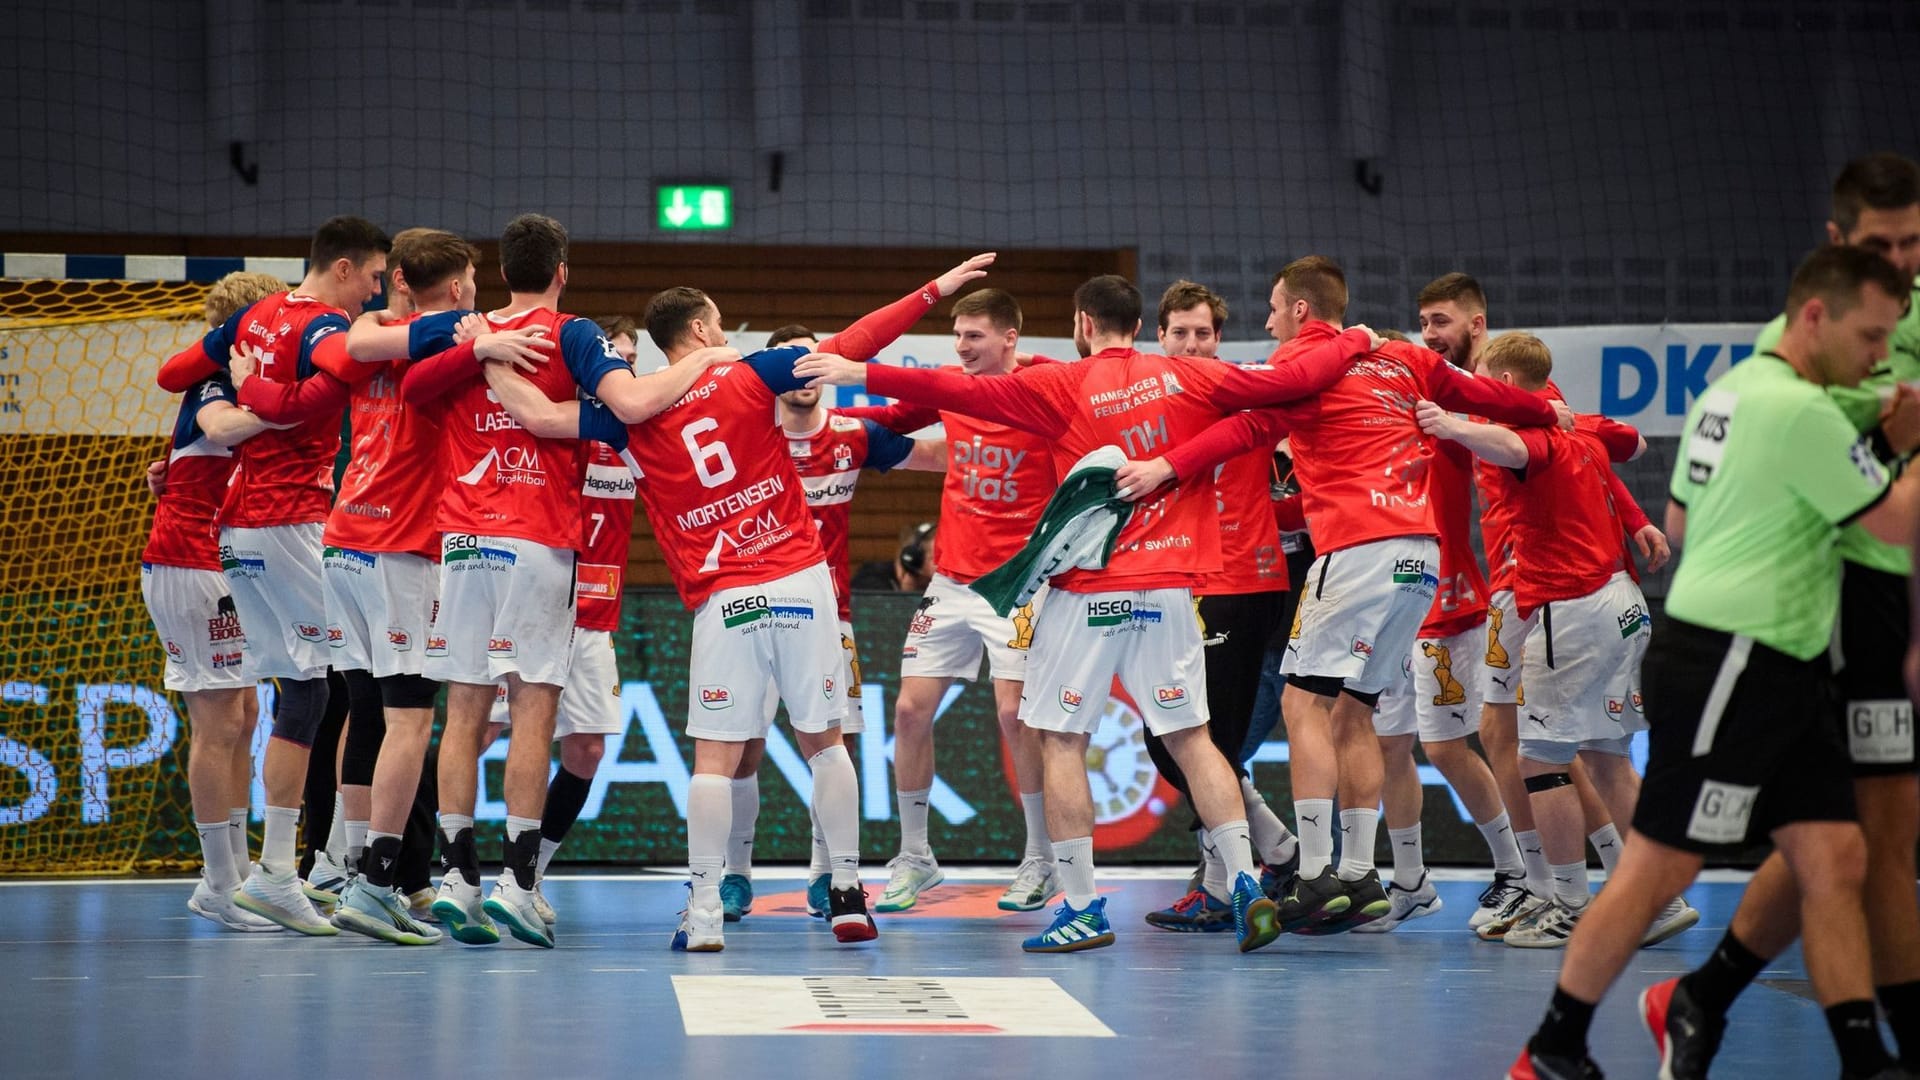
x=173 y=651
x=1615 y=706
x=1070 y=698
x=826 y=687
x=436 y=645
x=399 y=639
x=1362 y=648
x=308 y=632
x=716 y=697
x=499 y=646
x=1170 y=697
x=336 y=637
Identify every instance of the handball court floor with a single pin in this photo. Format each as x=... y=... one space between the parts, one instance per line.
x=116 y=978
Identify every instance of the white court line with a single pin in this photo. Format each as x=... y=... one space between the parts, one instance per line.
x=614 y=970
x=176 y=976
x=61 y=978
x=288 y=974
x=396 y=973
x=508 y=971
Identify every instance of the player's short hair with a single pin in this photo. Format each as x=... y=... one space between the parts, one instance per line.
x=790 y=332
x=429 y=258
x=531 y=251
x=1184 y=294
x=236 y=291
x=1320 y=282
x=671 y=311
x=1394 y=335
x=1113 y=302
x=1460 y=288
x=1881 y=181
x=615 y=325
x=1837 y=274
x=998 y=305
x=1523 y=354
x=346 y=237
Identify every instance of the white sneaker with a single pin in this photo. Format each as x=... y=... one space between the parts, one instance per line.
x=420 y=905
x=1518 y=905
x=1034 y=883
x=379 y=912
x=540 y=905
x=701 y=929
x=513 y=905
x=909 y=876
x=221 y=911
x=1548 y=927
x=279 y=897
x=326 y=882
x=460 y=910
x=1405 y=905
x=1495 y=898
x=1677 y=916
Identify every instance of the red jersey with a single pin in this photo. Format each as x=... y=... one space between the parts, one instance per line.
x=283 y=477
x=606 y=499
x=1460 y=603
x=506 y=481
x=829 y=459
x=198 y=470
x=1250 y=558
x=1144 y=404
x=718 y=482
x=390 y=494
x=1565 y=525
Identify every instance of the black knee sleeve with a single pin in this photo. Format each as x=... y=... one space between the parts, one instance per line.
x=408 y=691
x=1547 y=782
x=1317 y=685
x=1369 y=698
x=299 y=705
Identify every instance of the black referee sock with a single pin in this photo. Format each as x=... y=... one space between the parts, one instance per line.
x=1902 y=1003
x=1715 y=984
x=1856 y=1034
x=1563 y=1031
x=566 y=797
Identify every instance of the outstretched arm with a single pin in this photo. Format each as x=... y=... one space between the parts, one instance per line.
x=879 y=329
x=1303 y=376
x=284 y=403
x=899 y=416
x=1033 y=399
x=1490 y=398
x=549 y=419
x=1489 y=442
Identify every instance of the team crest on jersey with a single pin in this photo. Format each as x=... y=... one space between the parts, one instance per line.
x=842 y=457
x=1170 y=695
x=1071 y=698
x=716 y=698
x=309 y=632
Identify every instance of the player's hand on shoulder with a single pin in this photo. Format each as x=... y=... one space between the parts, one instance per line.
x=1900 y=419
x=1374 y=339
x=827 y=369
x=1435 y=420
x=971 y=270
x=713 y=354
x=1564 y=415
x=243 y=363
x=1136 y=480
x=525 y=349
x=470 y=326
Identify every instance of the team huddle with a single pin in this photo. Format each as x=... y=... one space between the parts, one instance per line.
x=1126 y=522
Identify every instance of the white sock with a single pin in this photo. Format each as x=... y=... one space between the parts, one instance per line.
x=818 y=864
x=451 y=824
x=1570 y=883
x=356 y=840
x=520 y=826
x=276 y=850
x=836 y=802
x=1498 y=834
x=1213 y=873
x=1314 y=819
x=1074 y=858
x=237 y=823
x=1359 y=828
x=547 y=848
x=1533 y=854
x=1270 y=836
x=216 y=852
x=746 y=819
x=709 y=815
x=337 y=832
x=1606 y=841
x=1409 y=858
x=1236 y=853
x=1034 y=807
x=913 y=822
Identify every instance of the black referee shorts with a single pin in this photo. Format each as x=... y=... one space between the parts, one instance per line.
x=1742 y=740
x=1870 y=643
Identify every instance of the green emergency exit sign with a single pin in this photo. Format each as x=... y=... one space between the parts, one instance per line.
x=686 y=207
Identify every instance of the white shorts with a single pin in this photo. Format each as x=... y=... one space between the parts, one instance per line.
x=1149 y=638
x=855 y=721
x=1360 y=608
x=1583 y=667
x=1500 y=662
x=1394 y=713
x=951 y=627
x=506 y=608
x=274 y=575
x=379 y=609
x=590 y=705
x=194 y=617
x=752 y=640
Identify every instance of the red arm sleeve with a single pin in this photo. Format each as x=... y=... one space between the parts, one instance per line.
x=1290 y=515
x=331 y=357
x=295 y=402
x=1631 y=515
x=1456 y=390
x=185 y=369
x=1621 y=440
x=898 y=417
x=878 y=329
x=1034 y=399
x=1539 y=449
x=1228 y=438
x=1303 y=376
x=436 y=376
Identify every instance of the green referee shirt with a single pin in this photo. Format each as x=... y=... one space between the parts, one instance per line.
x=1767 y=469
x=1861 y=404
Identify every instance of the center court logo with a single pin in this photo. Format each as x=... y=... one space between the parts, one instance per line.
x=715 y=698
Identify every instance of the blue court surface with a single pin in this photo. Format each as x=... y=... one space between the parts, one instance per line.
x=117 y=979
